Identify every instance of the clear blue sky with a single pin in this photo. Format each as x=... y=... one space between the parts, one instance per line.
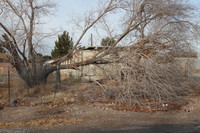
x=66 y=9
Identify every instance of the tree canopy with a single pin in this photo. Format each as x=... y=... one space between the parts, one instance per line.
x=62 y=46
x=108 y=41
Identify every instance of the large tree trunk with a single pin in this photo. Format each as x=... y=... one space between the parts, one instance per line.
x=30 y=77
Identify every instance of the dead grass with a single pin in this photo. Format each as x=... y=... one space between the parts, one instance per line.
x=74 y=91
x=19 y=89
x=3 y=96
x=45 y=122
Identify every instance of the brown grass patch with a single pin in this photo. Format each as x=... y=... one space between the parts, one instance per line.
x=148 y=109
x=46 y=122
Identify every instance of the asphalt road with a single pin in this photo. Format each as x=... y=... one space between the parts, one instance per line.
x=164 y=128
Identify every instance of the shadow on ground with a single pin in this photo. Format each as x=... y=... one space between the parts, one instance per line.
x=163 y=128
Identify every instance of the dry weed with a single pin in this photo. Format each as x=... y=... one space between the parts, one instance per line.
x=46 y=122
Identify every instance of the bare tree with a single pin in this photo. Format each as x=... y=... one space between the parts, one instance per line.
x=20 y=37
x=20 y=28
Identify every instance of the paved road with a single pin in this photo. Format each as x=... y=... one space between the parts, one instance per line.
x=164 y=128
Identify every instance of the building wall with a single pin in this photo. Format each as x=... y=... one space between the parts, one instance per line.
x=191 y=65
x=89 y=72
x=96 y=72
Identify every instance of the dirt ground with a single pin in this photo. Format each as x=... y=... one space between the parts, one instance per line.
x=49 y=113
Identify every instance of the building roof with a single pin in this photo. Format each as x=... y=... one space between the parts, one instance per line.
x=100 y=47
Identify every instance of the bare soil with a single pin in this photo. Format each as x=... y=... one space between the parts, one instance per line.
x=71 y=111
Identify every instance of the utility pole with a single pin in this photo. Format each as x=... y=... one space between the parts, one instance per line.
x=9 y=86
x=91 y=40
